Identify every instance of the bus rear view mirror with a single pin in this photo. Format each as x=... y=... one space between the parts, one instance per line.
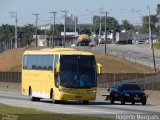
x=99 y=68
x=58 y=68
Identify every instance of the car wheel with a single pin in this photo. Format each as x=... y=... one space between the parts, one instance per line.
x=112 y=100
x=122 y=101
x=144 y=102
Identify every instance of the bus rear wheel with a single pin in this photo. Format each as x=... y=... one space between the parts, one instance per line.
x=31 y=97
x=86 y=102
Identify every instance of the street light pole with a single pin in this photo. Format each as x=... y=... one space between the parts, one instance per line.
x=75 y=26
x=14 y=14
x=92 y=24
x=100 y=25
x=65 y=14
x=54 y=15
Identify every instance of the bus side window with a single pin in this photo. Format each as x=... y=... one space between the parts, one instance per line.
x=50 y=68
x=38 y=67
x=44 y=67
x=33 y=67
x=25 y=62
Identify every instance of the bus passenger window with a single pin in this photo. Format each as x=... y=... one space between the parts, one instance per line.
x=38 y=67
x=50 y=68
x=44 y=67
x=33 y=67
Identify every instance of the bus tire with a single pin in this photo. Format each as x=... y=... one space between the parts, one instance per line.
x=31 y=97
x=51 y=94
x=86 y=102
x=55 y=101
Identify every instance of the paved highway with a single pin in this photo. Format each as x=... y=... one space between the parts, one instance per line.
x=98 y=108
x=140 y=53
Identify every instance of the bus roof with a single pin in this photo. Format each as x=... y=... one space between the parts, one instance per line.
x=63 y=51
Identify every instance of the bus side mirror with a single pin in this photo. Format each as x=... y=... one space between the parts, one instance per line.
x=99 y=68
x=58 y=68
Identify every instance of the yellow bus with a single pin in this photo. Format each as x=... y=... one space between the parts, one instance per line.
x=60 y=74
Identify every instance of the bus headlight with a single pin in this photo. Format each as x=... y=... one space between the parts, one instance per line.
x=63 y=90
x=91 y=91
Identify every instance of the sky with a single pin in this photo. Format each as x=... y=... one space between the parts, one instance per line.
x=132 y=10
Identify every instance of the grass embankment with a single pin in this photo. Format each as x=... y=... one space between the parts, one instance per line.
x=10 y=60
x=114 y=64
x=32 y=114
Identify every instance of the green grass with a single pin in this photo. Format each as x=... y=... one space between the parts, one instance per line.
x=32 y=114
x=157 y=45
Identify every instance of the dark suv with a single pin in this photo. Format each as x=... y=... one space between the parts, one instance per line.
x=128 y=92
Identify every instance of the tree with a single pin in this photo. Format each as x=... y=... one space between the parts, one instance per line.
x=126 y=25
x=145 y=27
x=112 y=24
x=6 y=36
x=27 y=33
x=158 y=9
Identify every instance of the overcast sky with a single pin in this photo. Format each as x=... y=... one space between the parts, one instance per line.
x=132 y=10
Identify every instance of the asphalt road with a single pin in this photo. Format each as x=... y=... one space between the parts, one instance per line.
x=97 y=108
x=139 y=53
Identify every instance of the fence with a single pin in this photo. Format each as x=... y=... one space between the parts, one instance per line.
x=13 y=77
x=148 y=81
x=145 y=60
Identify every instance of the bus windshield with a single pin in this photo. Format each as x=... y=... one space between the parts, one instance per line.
x=78 y=71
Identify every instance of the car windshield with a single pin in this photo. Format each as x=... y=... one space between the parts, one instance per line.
x=78 y=71
x=130 y=87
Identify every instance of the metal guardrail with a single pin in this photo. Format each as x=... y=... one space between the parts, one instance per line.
x=149 y=81
x=14 y=77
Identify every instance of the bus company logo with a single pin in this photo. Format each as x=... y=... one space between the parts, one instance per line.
x=9 y=117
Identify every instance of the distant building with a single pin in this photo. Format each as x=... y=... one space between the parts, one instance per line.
x=42 y=40
x=45 y=27
x=70 y=20
x=97 y=18
x=70 y=33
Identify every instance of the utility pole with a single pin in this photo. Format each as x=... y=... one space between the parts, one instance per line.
x=92 y=24
x=75 y=26
x=100 y=25
x=65 y=14
x=106 y=13
x=150 y=28
x=54 y=17
x=14 y=14
x=151 y=42
x=36 y=15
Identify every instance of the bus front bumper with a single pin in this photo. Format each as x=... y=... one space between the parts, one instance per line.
x=69 y=96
